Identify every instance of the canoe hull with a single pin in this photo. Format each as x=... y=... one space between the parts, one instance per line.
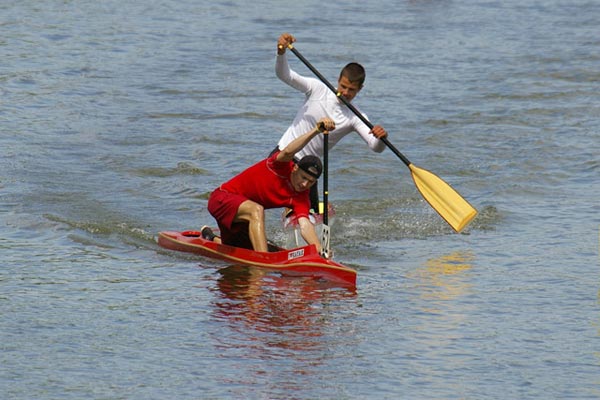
x=301 y=261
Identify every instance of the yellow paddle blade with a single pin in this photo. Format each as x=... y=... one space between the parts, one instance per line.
x=446 y=201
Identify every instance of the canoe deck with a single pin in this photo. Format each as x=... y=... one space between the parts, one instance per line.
x=300 y=261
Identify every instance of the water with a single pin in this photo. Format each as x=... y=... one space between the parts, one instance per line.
x=118 y=118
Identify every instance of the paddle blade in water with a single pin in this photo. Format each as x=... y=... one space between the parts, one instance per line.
x=446 y=201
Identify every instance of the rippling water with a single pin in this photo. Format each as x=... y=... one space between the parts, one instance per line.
x=118 y=119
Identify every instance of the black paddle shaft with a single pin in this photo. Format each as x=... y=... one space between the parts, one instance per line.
x=325 y=178
x=348 y=104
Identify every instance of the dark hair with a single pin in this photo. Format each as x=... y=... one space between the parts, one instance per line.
x=354 y=72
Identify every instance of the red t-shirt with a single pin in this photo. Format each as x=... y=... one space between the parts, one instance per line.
x=268 y=184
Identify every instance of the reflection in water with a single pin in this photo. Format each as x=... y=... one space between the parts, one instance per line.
x=252 y=298
x=444 y=309
x=265 y=317
x=443 y=278
x=275 y=314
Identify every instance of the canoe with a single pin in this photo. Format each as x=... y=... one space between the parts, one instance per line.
x=300 y=261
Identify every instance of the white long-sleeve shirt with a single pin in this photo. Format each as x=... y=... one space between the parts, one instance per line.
x=320 y=102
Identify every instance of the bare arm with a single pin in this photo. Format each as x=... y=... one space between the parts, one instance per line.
x=288 y=153
x=307 y=230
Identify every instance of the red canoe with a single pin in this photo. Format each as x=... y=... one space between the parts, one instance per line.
x=301 y=261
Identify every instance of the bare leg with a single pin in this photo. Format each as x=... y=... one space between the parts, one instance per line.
x=254 y=214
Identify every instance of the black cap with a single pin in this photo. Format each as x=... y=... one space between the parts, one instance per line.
x=311 y=165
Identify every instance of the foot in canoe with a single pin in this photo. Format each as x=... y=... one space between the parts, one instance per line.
x=208 y=234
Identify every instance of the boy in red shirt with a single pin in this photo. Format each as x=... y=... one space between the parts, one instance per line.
x=238 y=205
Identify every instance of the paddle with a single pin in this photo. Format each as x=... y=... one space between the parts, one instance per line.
x=325 y=235
x=451 y=206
